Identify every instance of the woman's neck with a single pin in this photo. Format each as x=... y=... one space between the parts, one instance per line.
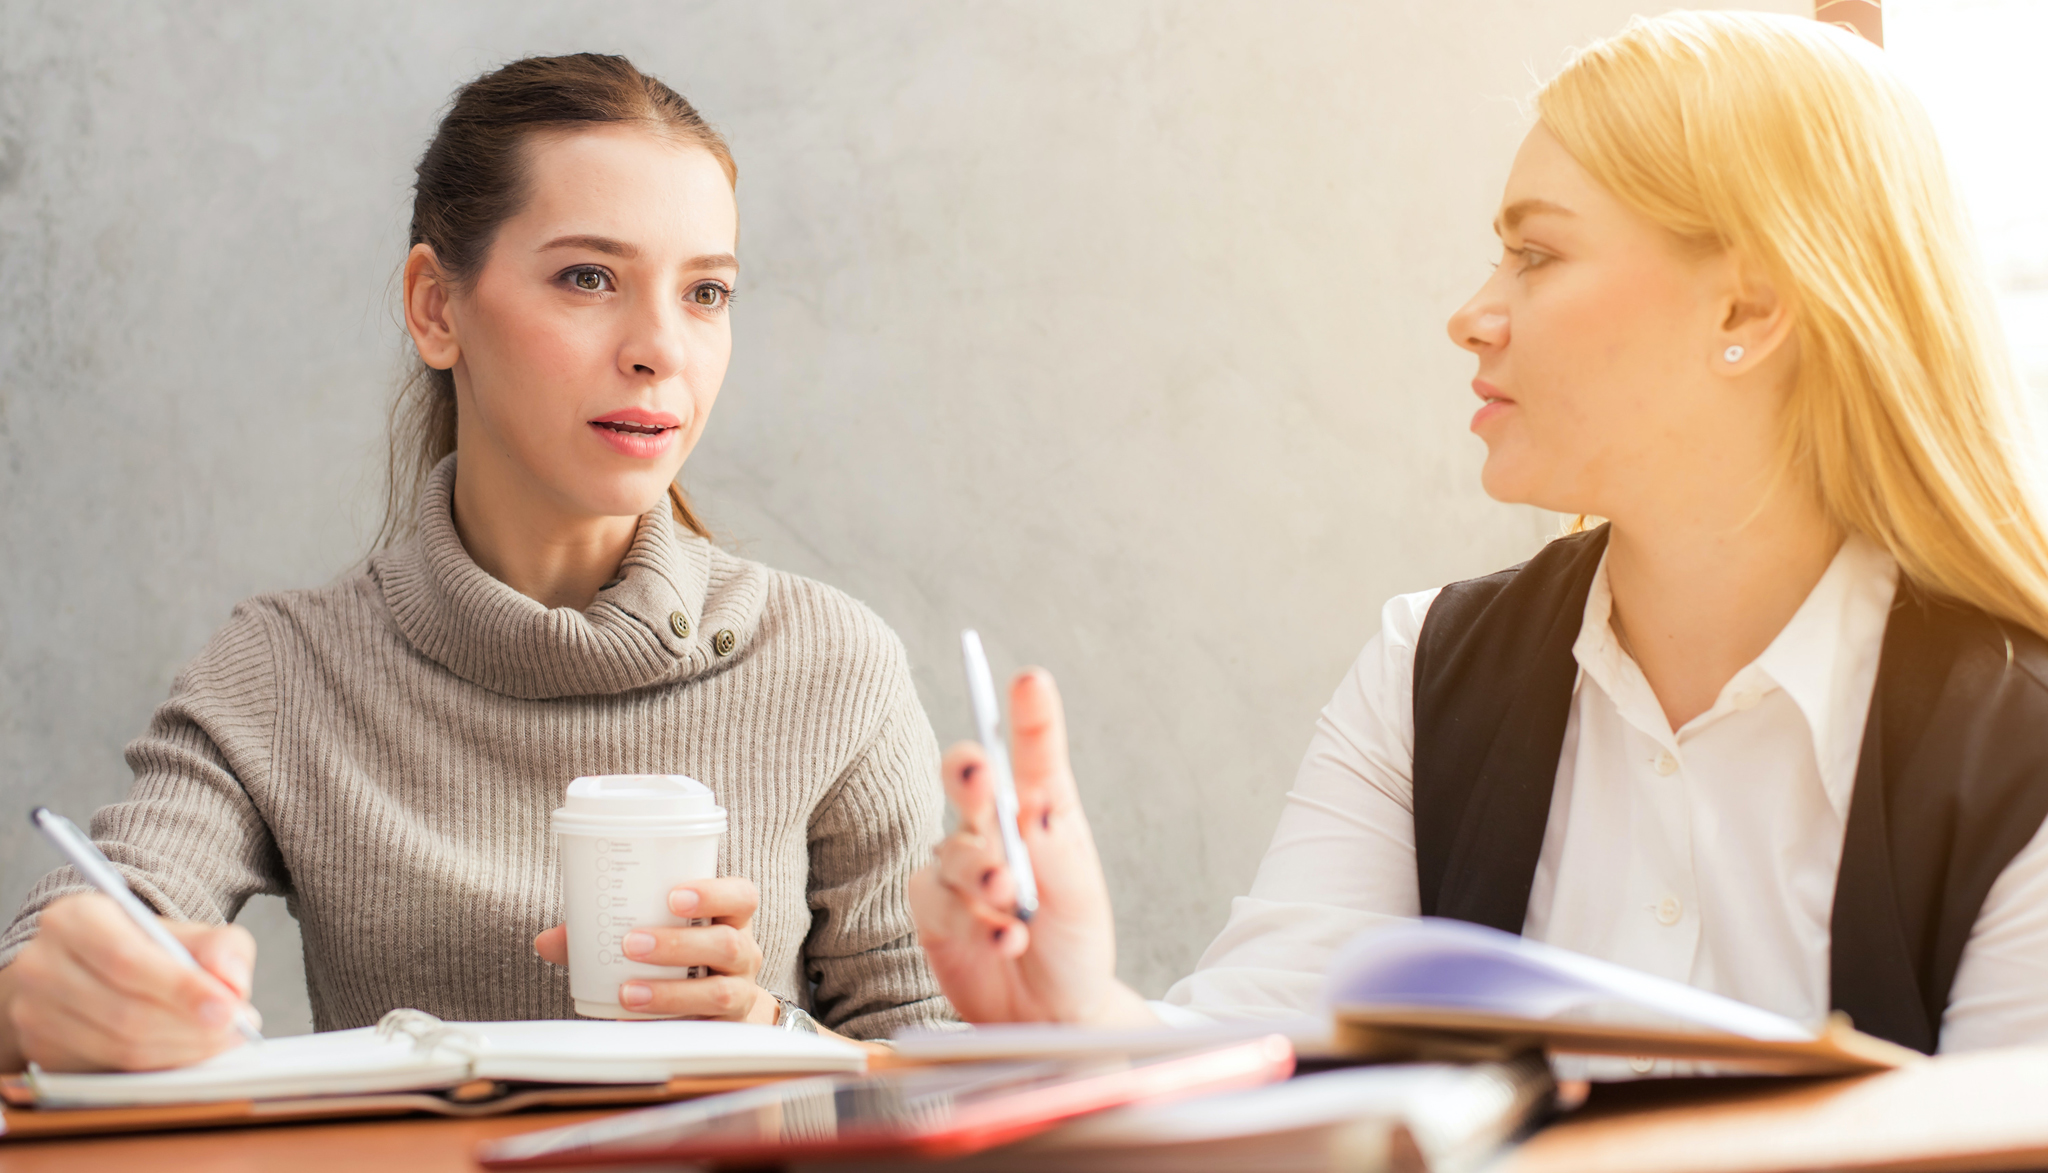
x=523 y=538
x=1699 y=593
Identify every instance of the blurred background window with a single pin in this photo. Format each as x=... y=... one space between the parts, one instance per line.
x=1977 y=65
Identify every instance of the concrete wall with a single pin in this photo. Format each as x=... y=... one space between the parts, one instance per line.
x=1115 y=329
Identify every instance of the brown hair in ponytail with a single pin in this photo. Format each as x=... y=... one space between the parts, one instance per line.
x=472 y=180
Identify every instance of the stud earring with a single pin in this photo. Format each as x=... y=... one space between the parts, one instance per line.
x=1733 y=354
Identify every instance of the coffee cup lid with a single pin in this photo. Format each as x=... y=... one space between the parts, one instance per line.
x=641 y=796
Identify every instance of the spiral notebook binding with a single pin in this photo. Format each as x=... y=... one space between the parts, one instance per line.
x=428 y=1033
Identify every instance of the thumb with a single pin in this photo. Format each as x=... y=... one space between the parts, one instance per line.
x=553 y=945
x=227 y=952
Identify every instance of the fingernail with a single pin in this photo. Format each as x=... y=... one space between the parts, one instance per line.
x=635 y=994
x=215 y=1013
x=639 y=944
x=683 y=901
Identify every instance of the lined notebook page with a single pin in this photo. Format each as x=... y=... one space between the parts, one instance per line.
x=411 y=1051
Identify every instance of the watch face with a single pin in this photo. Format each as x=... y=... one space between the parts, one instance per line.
x=790 y=1016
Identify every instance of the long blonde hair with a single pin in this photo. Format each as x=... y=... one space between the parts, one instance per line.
x=1794 y=145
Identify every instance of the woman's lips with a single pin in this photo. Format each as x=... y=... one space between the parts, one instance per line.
x=638 y=433
x=1495 y=404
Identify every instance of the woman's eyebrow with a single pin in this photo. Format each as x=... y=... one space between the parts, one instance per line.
x=596 y=244
x=627 y=252
x=1512 y=215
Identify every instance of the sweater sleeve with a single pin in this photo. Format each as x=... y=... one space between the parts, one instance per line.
x=877 y=826
x=188 y=838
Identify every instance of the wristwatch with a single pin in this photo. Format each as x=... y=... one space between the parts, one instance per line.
x=792 y=1017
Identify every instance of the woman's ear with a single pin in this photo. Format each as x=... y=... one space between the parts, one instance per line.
x=427 y=316
x=1756 y=323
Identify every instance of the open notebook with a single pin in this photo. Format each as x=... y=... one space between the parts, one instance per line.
x=467 y=1068
x=1448 y=989
x=413 y=1051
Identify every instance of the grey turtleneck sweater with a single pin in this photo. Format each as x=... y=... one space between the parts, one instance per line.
x=384 y=754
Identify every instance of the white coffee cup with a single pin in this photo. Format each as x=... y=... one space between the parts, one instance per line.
x=624 y=841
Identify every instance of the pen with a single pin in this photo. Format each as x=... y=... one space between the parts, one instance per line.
x=99 y=872
x=981 y=691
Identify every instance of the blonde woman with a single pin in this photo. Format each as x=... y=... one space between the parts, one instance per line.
x=384 y=752
x=1779 y=726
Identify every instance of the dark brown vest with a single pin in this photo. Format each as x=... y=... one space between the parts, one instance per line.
x=1952 y=781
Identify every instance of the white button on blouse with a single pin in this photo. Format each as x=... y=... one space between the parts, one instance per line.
x=1728 y=830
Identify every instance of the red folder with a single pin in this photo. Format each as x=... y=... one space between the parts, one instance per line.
x=915 y=1112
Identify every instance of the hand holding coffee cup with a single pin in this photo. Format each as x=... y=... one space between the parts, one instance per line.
x=652 y=930
x=724 y=949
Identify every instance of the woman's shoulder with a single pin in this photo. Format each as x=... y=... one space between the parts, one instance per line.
x=826 y=627
x=311 y=613
x=240 y=662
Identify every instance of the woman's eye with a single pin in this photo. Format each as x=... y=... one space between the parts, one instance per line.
x=589 y=280
x=710 y=296
x=1527 y=258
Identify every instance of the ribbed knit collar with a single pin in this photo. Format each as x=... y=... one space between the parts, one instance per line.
x=674 y=611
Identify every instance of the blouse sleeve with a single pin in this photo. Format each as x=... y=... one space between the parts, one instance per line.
x=1343 y=856
x=188 y=838
x=1996 y=999
x=869 y=976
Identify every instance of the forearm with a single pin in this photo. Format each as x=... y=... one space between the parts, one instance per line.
x=871 y=978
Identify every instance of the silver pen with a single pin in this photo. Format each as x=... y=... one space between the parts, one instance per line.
x=981 y=691
x=99 y=871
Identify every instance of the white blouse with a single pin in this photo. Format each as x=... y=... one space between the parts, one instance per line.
x=1706 y=854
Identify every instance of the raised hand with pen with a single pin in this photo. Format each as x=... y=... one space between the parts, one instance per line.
x=1060 y=965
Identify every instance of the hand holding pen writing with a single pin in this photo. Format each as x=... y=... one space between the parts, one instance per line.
x=1061 y=967
x=91 y=992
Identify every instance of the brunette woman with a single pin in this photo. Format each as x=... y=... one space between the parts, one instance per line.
x=384 y=753
x=1779 y=727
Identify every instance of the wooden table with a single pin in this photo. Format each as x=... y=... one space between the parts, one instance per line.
x=1975 y=1112
x=424 y=1144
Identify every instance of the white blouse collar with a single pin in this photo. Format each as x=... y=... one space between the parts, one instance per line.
x=1825 y=659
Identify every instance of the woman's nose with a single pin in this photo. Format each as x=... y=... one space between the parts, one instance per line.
x=1480 y=324
x=654 y=347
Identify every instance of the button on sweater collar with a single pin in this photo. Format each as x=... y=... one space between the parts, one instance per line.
x=456 y=614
